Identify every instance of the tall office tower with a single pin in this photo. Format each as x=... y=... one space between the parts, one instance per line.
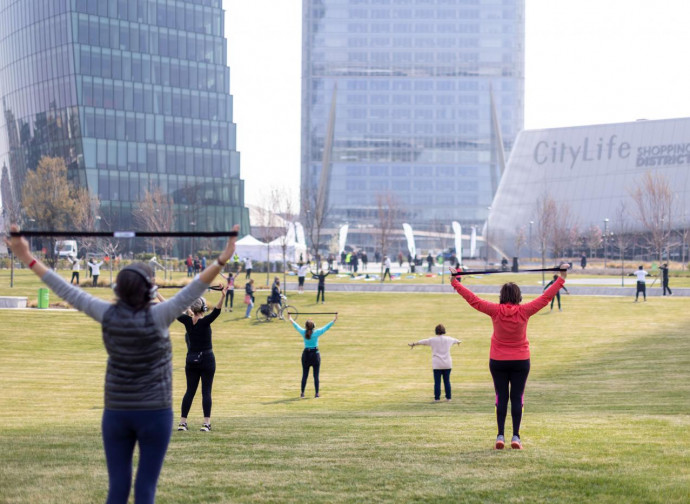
x=429 y=101
x=133 y=95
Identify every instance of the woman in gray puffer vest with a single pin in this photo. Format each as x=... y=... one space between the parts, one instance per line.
x=138 y=380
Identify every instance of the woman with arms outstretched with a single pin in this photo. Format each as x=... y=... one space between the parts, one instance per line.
x=509 y=358
x=138 y=377
x=311 y=356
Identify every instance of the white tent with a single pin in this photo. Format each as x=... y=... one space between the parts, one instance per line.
x=258 y=250
x=250 y=247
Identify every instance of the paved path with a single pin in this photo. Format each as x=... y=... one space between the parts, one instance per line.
x=575 y=290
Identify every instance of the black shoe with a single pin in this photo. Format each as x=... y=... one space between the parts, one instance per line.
x=182 y=426
x=205 y=427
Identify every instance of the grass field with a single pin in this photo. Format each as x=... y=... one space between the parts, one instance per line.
x=607 y=409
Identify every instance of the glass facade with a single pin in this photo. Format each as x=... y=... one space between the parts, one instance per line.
x=591 y=173
x=134 y=95
x=415 y=81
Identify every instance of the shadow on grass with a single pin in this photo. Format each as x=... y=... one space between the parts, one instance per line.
x=284 y=401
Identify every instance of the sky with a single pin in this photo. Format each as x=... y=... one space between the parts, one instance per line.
x=586 y=62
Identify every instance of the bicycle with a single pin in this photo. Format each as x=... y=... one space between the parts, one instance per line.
x=265 y=312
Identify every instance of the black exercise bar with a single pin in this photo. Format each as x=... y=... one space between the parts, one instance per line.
x=487 y=272
x=128 y=234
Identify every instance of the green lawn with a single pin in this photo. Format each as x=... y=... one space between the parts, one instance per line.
x=606 y=417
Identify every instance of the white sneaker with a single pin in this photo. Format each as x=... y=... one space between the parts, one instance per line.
x=182 y=426
x=205 y=427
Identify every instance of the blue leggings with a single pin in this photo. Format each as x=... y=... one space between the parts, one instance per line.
x=121 y=431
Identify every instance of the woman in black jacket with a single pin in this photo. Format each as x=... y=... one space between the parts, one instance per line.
x=201 y=362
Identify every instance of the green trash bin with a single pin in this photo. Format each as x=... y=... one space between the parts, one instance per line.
x=43 y=297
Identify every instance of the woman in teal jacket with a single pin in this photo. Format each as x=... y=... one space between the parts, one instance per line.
x=310 y=355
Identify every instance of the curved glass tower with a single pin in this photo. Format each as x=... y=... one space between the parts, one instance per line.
x=133 y=96
x=429 y=98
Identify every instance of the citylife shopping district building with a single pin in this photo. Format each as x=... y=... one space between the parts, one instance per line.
x=591 y=171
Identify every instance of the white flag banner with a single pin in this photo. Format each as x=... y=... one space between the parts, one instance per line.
x=290 y=235
x=407 y=229
x=343 y=238
x=457 y=229
x=473 y=242
x=299 y=233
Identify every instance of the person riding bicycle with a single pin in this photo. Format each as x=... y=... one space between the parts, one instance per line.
x=275 y=299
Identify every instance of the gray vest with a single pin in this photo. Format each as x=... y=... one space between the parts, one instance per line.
x=139 y=373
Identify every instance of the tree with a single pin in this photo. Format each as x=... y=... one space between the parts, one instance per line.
x=49 y=199
x=623 y=237
x=684 y=235
x=387 y=211
x=314 y=216
x=269 y=225
x=520 y=239
x=564 y=231
x=653 y=201
x=593 y=238
x=85 y=216
x=155 y=213
x=281 y=206
x=545 y=212
x=10 y=209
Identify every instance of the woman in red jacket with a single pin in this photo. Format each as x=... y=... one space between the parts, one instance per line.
x=509 y=357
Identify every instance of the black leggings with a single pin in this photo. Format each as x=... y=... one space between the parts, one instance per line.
x=231 y=296
x=195 y=372
x=321 y=291
x=310 y=358
x=510 y=378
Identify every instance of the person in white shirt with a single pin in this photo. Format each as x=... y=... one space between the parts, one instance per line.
x=302 y=271
x=441 y=362
x=75 y=269
x=387 y=266
x=95 y=271
x=247 y=268
x=641 y=285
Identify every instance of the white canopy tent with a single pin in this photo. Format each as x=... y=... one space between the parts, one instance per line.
x=257 y=250
x=250 y=247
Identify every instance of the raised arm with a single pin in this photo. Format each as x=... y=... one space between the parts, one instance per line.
x=296 y=325
x=321 y=330
x=472 y=299
x=80 y=299
x=537 y=304
x=223 y=293
x=216 y=266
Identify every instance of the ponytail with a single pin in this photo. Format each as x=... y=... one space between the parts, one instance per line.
x=309 y=328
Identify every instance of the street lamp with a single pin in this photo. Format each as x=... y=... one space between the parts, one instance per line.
x=487 y=235
x=606 y=223
x=530 y=239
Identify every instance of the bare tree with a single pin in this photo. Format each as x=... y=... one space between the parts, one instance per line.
x=684 y=235
x=545 y=212
x=564 y=232
x=314 y=216
x=270 y=225
x=592 y=238
x=623 y=237
x=388 y=213
x=109 y=246
x=520 y=239
x=48 y=198
x=283 y=205
x=10 y=208
x=155 y=213
x=85 y=216
x=653 y=201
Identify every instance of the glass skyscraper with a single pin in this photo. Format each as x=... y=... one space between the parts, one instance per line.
x=134 y=95
x=428 y=91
